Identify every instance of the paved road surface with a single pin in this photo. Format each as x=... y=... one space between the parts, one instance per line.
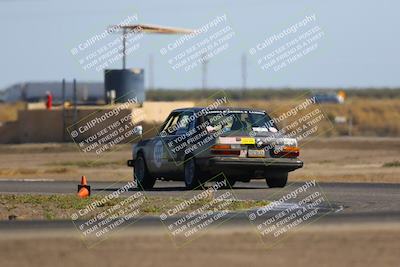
x=347 y=202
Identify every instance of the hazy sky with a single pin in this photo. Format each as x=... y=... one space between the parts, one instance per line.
x=359 y=46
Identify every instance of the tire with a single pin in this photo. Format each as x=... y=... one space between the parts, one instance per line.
x=277 y=179
x=144 y=180
x=191 y=174
x=230 y=182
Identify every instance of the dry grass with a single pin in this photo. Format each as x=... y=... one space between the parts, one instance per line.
x=9 y=112
x=28 y=207
x=371 y=117
x=392 y=164
x=87 y=164
x=33 y=171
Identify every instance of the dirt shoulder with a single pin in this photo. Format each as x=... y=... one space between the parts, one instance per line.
x=344 y=245
x=325 y=159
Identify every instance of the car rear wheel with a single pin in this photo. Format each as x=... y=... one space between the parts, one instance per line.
x=144 y=180
x=277 y=179
x=191 y=174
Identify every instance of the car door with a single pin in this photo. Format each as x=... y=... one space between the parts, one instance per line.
x=176 y=141
x=157 y=148
x=163 y=159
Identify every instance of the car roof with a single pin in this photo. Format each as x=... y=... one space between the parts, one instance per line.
x=196 y=109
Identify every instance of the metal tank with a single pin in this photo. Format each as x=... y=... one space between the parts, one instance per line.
x=127 y=84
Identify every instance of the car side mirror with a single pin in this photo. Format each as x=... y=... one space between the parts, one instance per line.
x=138 y=130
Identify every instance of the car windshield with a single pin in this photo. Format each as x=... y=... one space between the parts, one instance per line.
x=244 y=121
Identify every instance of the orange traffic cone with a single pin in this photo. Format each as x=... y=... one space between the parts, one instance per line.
x=83 y=188
x=83 y=180
x=83 y=193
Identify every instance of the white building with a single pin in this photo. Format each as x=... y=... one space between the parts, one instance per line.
x=87 y=92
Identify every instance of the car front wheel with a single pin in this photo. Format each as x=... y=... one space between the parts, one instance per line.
x=144 y=180
x=191 y=174
x=277 y=179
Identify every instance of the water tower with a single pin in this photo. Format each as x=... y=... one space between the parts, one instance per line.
x=124 y=84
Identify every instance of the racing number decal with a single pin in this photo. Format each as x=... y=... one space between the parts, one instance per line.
x=158 y=153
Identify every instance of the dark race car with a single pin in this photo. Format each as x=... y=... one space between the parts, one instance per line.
x=196 y=145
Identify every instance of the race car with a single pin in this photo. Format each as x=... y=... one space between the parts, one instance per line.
x=197 y=145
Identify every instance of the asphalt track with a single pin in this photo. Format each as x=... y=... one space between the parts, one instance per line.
x=346 y=202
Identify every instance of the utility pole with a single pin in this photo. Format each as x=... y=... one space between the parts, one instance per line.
x=151 y=72
x=204 y=71
x=244 y=74
x=350 y=129
x=75 y=100
x=124 y=48
x=244 y=71
x=63 y=108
